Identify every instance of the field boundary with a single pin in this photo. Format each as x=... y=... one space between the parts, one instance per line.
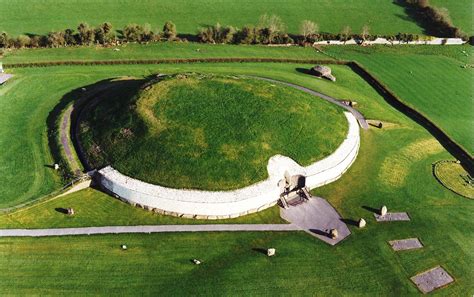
x=171 y=61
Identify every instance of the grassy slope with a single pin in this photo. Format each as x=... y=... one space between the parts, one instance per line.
x=460 y=12
x=391 y=166
x=23 y=16
x=215 y=133
x=21 y=183
x=160 y=50
x=430 y=79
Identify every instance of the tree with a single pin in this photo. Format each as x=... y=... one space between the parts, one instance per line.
x=169 y=30
x=246 y=35
x=308 y=29
x=365 y=32
x=55 y=39
x=22 y=41
x=346 y=34
x=69 y=37
x=86 y=34
x=3 y=40
x=147 y=34
x=269 y=27
x=216 y=34
x=132 y=32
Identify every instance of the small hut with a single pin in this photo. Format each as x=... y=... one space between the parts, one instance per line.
x=323 y=71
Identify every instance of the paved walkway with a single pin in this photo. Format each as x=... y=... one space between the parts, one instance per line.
x=146 y=229
x=317 y=217
x=360 y=118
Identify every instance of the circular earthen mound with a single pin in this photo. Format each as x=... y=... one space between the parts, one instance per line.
x=207 y=132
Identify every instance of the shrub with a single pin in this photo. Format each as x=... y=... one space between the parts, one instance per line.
x=132 y=32
x=3 y=40
x=216 y=34
x=22 y=41
x=246 y=35
x=86 y=34
x=55 y=39
x=345 y=34
x=169 y=31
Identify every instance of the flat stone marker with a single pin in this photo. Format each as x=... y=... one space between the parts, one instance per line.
x=392 y=216
x=432 y=279
x=405 y=244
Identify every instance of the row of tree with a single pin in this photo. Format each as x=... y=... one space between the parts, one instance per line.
x=269 y=30
x=437 y=19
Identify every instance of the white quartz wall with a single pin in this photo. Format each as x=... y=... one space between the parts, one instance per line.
x=229 y=204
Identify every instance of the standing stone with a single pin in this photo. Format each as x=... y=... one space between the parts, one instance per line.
x=196 y=261
x=383 y=210
x=333 y=233
x=56 y=166
x=70 y=211
x=271 y=252
x=362 y=223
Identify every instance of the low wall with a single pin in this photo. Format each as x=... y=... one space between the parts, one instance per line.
x=230 y=204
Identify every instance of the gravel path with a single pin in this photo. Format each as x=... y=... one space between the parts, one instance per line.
x=146 y=229
x=360 y=118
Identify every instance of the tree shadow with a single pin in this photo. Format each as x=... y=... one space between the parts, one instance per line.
x=415 y=15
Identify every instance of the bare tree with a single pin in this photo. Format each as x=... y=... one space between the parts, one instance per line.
x=346 y=33
x=308 y=28
x=365 y=32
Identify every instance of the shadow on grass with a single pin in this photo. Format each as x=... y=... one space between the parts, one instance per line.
x=260 y=250
x=61 y=210
x=371 y=209
x=80 y=98
x=350 y=222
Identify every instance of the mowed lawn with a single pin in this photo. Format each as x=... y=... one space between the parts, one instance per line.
x=460 y=12
x=26 y=103
x=23 y=16
x=432 y=80
x=394 y=168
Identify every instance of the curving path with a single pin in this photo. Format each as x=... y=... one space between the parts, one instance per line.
x=360 y=118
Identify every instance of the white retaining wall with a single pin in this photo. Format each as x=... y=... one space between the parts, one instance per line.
x=230 y=204
x=433 y=41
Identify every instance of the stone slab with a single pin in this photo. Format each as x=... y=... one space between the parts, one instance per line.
x=432 y=279
x=4 y=77
x=392 y=216
x=405 y=244
x=317 y=217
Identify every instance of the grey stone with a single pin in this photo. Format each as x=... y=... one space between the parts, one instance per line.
x=392 y=216
x=432 y=279
x=405 y=244
x=362 y=223
x=271 y=252
x=383 y=210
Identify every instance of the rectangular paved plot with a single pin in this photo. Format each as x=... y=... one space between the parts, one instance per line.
x=405 y=244
x=392 y=216
x=432 y=279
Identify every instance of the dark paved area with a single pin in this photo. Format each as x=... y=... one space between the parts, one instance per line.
x=392 y=216
x=432 y=279
x=405 y=244
x=317 y=217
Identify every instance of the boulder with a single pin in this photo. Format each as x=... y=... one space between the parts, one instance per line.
x=333 y=233
x=271 y=252
x=362 y=223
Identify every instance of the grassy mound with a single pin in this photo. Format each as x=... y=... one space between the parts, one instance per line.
x=453 y=176
x=208 y=132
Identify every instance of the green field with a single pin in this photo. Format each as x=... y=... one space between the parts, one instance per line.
x=20 y=183
x=460 y=12
x=432 y=80
x=23 y=16
x=207 y=132
x=394 y=168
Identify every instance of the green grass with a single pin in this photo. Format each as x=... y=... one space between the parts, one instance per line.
x=384 y=17
x=159 y=50
x=453 y=176
x=429 y=79
x=208 y=132
x=460 y=12
x=94 y=208
x=394 y=168
x=26 y=103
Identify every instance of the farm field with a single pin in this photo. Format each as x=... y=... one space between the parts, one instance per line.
x=159 y=50
x=384 y=17
x=430 y=79
x=460 y=12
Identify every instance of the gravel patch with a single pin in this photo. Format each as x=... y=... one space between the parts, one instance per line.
x=405 y=244
x=432 y=279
